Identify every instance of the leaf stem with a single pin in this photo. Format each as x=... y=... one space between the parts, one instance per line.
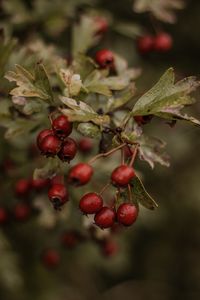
x=93 y=159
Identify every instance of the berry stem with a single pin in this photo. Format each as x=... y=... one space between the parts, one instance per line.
x=106 y=153
x=104 y=188
x=129 y=193
x=134 y=155
x=122 y=156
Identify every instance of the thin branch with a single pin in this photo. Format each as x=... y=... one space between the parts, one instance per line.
x=105 y=154
x=104 y=188
x=134 y=155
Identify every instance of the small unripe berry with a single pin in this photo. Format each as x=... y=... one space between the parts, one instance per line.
x=91 y=203
x=85 y=145
x=68 y=150
x=3 y=216
x=51 y=258
x=50 y=145
x=145 y=44
x=127 y=214
x=22 y=187
x=105 y=218
x=22 y=211
x=61 y=126
x=58 y=195
x=42 y=134
x=80 y=174
x=105 y=58
x=122 y=175
x=163 y=42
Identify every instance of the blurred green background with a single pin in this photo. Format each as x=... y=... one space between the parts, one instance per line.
x=159 y=256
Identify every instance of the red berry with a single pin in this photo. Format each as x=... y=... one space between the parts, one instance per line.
x=70 y=239
x=142 y=120
x=68 y=150
x=163 y=42
x=51 y=258
x=127 y=214
x=61 y=126
x=101 y=24
x=50 y=145
x=122 y=175
x=3 y=216
x=42 y=135
x=57 y=179
x=22 y=187
x=85 y=145
x=58 y=195
x=109 y=248
x=80 y=174
x=22 y=211
x=90 y=203
x=145 y=44
x=127 y=152
x=105 y=218
x=39 y=184
x=105 y=58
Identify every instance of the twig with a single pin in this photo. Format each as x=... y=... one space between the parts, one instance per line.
x=105 y=154
x=104 y=188
x=134 y=155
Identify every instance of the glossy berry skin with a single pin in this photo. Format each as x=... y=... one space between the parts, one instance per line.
x=91 y=203
x=22 y=211
x=3 y=216
x=101 y=24
x=122 y=176
x=85 y=145
x=42 y=134
x=80 y=174
x=61 y=126
x=51 y=258
x=50 y=145
x=58 y=195
x=145 y=44
x=142 y=120
x=127 y=214
x=68 y=150
x=39 y=184
x=163 y=42
x=105 y=58
x=109 y=248
x=105 y=218
x=22 y=187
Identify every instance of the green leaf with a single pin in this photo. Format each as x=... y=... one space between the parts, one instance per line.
x=114 y=103
x=89 y=130
x=32 y=106
x=50 y=169
x=71 y=81
x=140 y=194
x=161 y=9
x=29 y=85
x=83 y=65
x=174 y=114
x=18 y=127
x=131 y=30
x=94 y=83
x=166 y=95
x=151 y=150
x=82 y=112
x=6 y=49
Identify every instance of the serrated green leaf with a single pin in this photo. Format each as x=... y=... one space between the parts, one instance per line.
x=89 y=130
x=94 y=83
x=32 y=106
x=42 y=82
x=140 y=194
x=174 y=114
x=166 y=95
x=114 y=103
x=50 y=169
x=82 y=112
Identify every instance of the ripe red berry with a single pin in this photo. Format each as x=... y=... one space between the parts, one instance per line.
x=109 y=248
x=127 y=214
x=105 y=58
x=142 y=120
x=22 y=211
x=127 y=152
x=91 y=203
x=22 y=187
x=50 y=145
x=105 y=218
x=85 y=145
x=42 y=135
x=80 y=174
x=51 y=258
x=58 y=195
x=122 y=175
x=57 y=179
x=61 y=126
x=145 y=44
x=3 y=216
x=70 y=239
x=163 y=42
x=68 y=150
x=102 y=25
x=39 y=184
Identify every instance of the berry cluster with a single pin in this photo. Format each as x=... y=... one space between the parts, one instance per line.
x=160 y=43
